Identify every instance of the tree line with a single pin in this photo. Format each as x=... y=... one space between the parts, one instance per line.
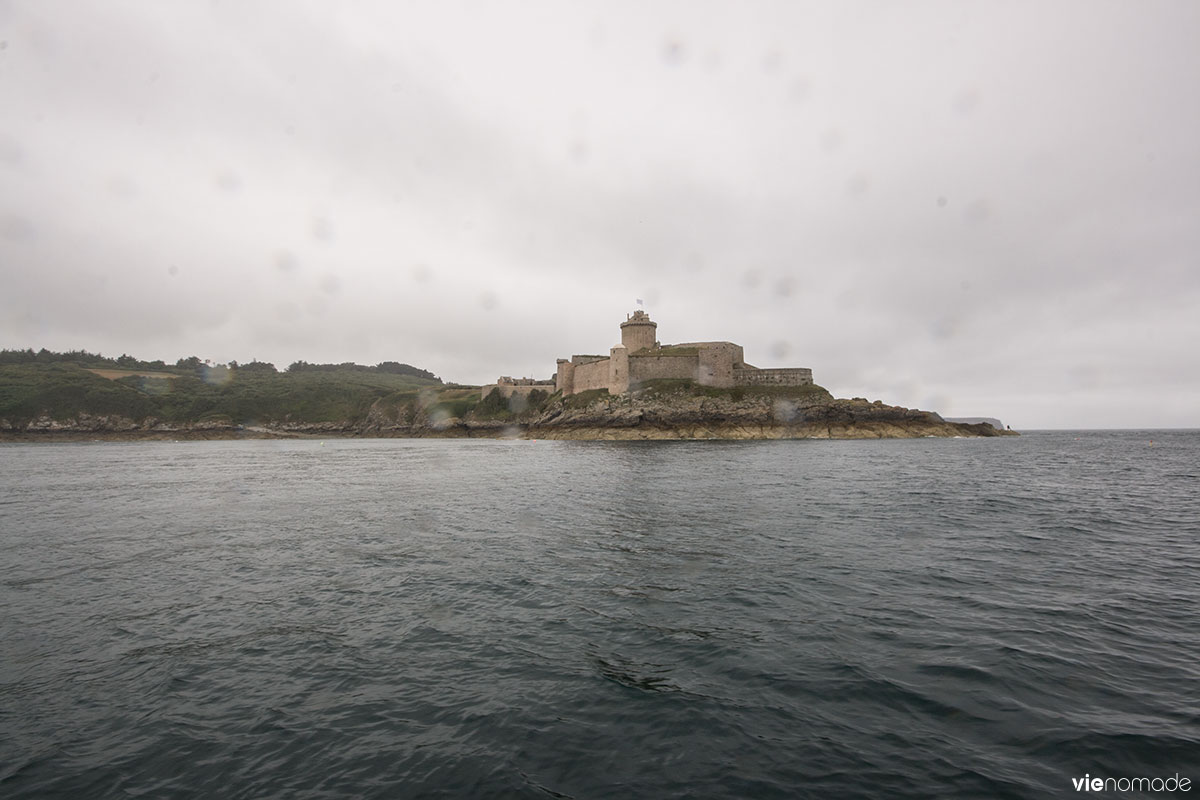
x=193 y=363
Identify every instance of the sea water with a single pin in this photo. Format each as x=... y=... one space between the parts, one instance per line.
x=461 y=618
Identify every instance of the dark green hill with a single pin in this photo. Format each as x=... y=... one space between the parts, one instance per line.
x=57 y=389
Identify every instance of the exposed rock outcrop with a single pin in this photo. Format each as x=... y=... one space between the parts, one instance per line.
x=813 y=415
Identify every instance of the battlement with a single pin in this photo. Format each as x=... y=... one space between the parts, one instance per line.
x=785 y=376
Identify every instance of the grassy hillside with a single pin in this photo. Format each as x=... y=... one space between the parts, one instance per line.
x=666 y=388
x=245 y=396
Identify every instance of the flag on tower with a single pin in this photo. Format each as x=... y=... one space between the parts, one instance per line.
x=639 y=301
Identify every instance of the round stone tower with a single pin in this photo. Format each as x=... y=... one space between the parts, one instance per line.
x=638 y=331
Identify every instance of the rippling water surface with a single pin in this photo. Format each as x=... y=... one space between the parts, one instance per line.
x=408 y=618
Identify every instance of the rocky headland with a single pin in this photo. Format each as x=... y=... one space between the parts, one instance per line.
x=811 y=415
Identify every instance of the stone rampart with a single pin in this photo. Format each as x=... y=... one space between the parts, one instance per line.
x=649 y=367
x=717 y=360
x=591 y=375
x=788 y=376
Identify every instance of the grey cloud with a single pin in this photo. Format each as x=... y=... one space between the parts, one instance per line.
x=936 y=203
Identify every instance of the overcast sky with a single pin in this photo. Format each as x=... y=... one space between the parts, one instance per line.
x=981 y=208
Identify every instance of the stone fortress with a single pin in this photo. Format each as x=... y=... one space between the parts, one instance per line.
x=640 y=357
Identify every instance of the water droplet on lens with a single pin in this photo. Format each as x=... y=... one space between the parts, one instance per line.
x=831 y=140
x=228 y=181
x=322 y=228
x=286 y=262
x=673 y=52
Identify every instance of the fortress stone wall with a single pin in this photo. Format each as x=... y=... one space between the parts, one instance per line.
x=591 y=375
x=717 y=361
x=788 y=376
x=519 y=386
x=646 y=367
x=640 y=357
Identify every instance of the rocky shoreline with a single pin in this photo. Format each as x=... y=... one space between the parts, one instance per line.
x=814 y=415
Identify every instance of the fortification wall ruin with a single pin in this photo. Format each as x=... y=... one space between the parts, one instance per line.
x=787 y=376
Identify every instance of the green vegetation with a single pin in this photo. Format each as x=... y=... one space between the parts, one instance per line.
x=385 y=367
x=665 y=388
x=492 y=406
x=454 y=402
x=497 y=407
x=191 y=364
x=79 y=358
x=65 y=390
x=586 y=398
x=63 y=386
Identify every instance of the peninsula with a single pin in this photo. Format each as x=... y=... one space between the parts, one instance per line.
x=641 y=390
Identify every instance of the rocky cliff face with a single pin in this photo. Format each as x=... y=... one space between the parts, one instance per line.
x=815 y=415
x=112 y=425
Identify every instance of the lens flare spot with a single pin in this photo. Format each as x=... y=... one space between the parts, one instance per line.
x=785 y=411
x=216 y=375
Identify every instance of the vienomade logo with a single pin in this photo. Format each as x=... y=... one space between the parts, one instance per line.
x=1089 y=784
